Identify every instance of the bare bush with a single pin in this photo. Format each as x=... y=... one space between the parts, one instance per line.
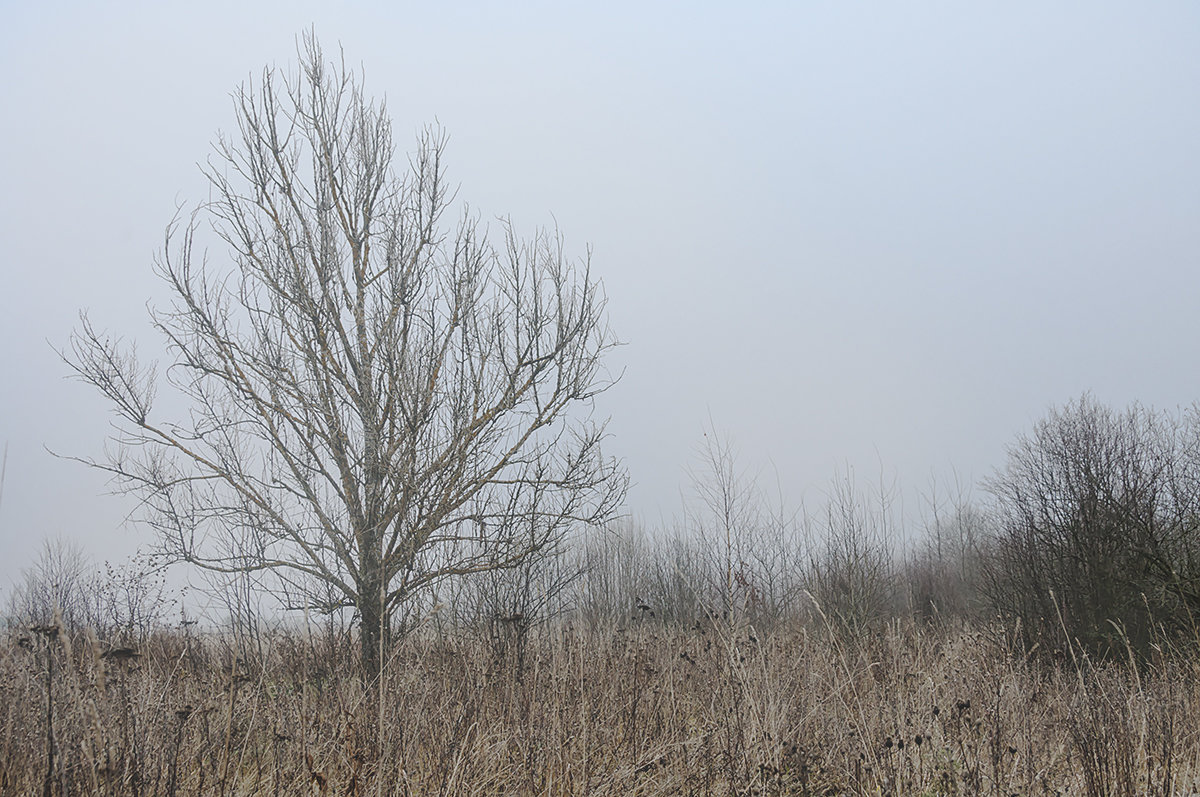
x=118 y=602
x=944 y=572
x=504 y=606
x=852 y=567
x=1097 y=527
x=617 y=570
x=748 y=558
x=61 y=582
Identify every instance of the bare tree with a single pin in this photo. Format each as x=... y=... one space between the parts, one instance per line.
x=1097 y=526
x=60 y=583
x=380 y=398
x=749 y=548
x=852 y=570
x=725 y=516
x=65 y=587
x=943 y=568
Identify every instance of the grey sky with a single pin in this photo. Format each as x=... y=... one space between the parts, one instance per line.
x=851 y=233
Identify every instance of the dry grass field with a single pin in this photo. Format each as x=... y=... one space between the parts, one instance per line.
x=644 y=709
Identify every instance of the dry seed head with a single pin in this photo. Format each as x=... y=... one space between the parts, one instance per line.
x=97 y=669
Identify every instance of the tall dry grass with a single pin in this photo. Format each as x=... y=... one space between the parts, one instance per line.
x=638 y=709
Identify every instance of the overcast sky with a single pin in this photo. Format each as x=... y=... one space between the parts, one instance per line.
x=866 y=235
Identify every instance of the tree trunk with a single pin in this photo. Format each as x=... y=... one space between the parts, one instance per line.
x=376 y=626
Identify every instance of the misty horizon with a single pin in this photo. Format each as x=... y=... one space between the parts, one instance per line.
x=845 y=240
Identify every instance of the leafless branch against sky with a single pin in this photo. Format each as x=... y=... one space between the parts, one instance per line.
x=852 y=234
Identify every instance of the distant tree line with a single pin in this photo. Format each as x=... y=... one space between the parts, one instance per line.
x=1086 y=537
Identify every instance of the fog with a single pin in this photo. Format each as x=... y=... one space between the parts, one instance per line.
x=845 y=236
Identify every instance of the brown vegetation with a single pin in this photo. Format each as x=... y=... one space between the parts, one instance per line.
x=750 y=651
x=639 y=708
